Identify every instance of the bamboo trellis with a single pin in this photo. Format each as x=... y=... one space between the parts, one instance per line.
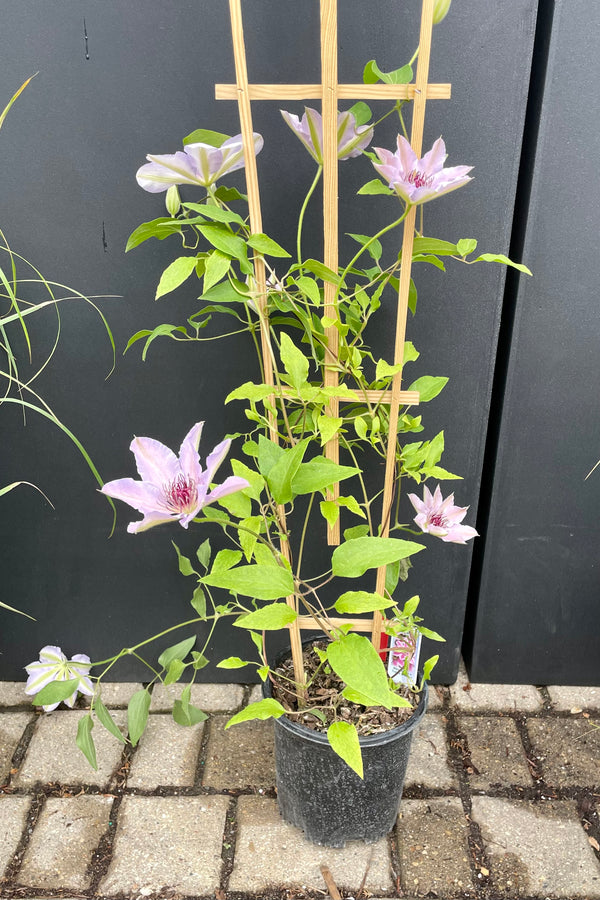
x=329 y=92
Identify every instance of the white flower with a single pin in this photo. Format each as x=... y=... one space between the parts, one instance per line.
x=53 y=665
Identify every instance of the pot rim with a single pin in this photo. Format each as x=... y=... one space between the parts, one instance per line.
x=369 y=740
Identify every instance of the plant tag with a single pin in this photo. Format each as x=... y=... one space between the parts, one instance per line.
x=403 y=647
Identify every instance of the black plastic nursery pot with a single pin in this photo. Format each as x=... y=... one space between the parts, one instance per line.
x=318 y=792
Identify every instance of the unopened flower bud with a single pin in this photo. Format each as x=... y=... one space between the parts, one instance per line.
x=440 y=10
x=172 y=200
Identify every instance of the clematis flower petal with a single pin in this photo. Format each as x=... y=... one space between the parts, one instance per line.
x=419 y=180
x=352 y=138
x=153 y=459
x=229 y=486
x=53 y=665
x=172 y=488
x=197 y=163
x=440 y=517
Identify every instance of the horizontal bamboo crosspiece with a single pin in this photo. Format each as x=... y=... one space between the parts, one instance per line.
x=329 y=92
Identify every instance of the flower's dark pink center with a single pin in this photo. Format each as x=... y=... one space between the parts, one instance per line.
x=419 y=179
x=438 y=520
x=181 y=494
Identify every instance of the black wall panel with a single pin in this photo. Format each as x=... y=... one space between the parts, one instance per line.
x=537 y=602
x=118 y=80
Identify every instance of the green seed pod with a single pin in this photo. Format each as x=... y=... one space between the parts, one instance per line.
x=440 y=10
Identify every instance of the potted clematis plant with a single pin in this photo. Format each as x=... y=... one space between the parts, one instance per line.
x=344 y=709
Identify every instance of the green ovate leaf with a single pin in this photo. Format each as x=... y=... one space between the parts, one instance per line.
x=248 y=535
x=226 y=559
x=361 y=112
x=374 y=249
x=356 y=661
x=361 y=601
x=309 y=287
x=263 y=582
x=174 y=671
x=137 y=715
x=175 y=274
x=233 y=662
x=203 y=553
x=328 y=427
x=263 y=709
x=466 y=246
x=177 y=651
x=198 y=602
x=330 y=511
x=269 y=618
x=354 y=557
x=281 y=474
x=204 y=136
x=428 y=387
x=343 y=738
x=433 y=245
x=375 y=186
x=55 y=692
x=185 y=565
x=432 y=635
x=428 y=666
x=385 y=370
x=294 y=361
x=321 y=271
x=410 y=607
x=266 y=245
x=199 y=661
x=318 y=474
x=85 y=741
x=105 y=719
x=372 y=74
x=501 y=258
x=224 y=240
x=216 y=268
x=187 y=715
x=157 y=228
x=217 y=213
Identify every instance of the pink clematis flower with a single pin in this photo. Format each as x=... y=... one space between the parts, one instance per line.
x=196 y=164
x=419 y=180
x=352 y=138
x=441 y=518
x=53 y=665
x=172 y=488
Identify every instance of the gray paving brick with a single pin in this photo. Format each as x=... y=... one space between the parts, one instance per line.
x=493 y=697
x=167 y=844
x=567 y=698
x=537 y=849
x=271 y=853
x=12 y=726
x=433 y=847
x=208 y=697
x=119 y=693
x=12 y=693
x=240 y=757
x=52 y=754
x=428 y=762
x=167 y=754
x=13 y=815
x=568 y=750
x=62 y=843
x=496 y=752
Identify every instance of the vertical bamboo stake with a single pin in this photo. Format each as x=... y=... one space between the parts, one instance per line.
x=418 y=122
x=241 y=72
x=329 y=111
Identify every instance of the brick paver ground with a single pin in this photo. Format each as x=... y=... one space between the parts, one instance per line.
x=500 y=804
